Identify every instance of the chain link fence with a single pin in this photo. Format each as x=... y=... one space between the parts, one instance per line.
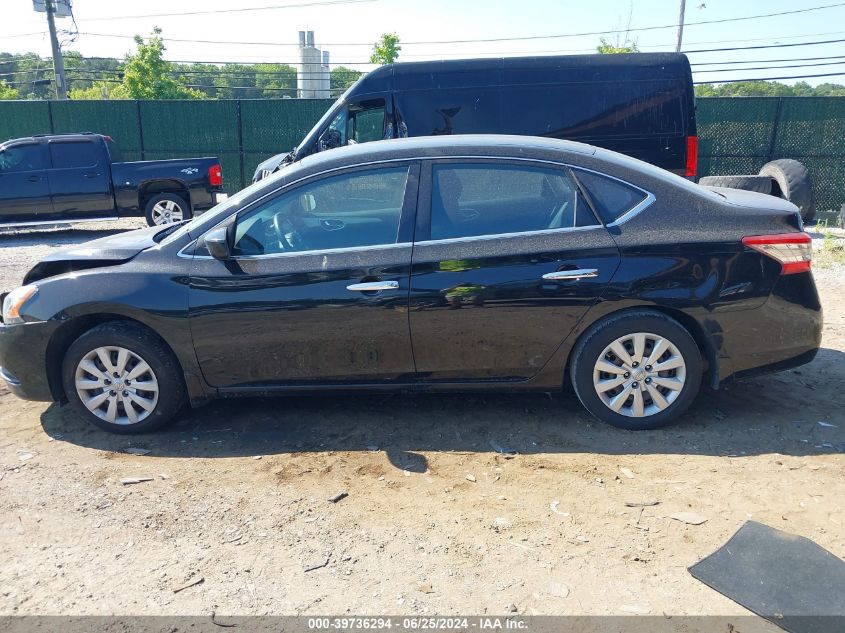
x=737 y=135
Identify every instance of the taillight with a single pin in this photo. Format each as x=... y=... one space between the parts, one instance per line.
x=215 y=176
x=692 y=156
x=794 y=251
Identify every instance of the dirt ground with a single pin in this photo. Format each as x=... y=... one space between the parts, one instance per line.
x=437 y=519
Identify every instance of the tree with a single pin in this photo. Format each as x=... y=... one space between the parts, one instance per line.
x=343 y=77
x=768 y=89
x=146 y=74
x=386 y=50
x=606 y=47
x=8 y=92
x=99 y=90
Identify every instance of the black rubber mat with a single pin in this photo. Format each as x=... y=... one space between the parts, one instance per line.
x=784 y=578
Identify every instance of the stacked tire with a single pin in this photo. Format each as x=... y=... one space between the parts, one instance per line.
x=785 y=178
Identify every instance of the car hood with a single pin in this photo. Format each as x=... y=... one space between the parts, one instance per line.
x=106 y=251
x=270 y=165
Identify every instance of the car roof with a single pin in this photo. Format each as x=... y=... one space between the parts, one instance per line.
x=499 y=145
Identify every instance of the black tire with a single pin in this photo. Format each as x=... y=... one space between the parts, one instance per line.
x=791 y=181
x=760 y=184
x=594 y=341
x=183 y=207
x=165 y=367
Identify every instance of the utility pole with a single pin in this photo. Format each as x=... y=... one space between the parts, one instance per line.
x=681 y=26
x=58 y=62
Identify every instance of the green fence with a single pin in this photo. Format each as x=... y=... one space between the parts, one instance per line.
x=736 y=135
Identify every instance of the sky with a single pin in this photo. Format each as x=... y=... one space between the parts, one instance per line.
x=447 y=29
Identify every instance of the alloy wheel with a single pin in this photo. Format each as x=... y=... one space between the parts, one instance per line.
x=116 y=385
x=639 y=374
x=166 y=212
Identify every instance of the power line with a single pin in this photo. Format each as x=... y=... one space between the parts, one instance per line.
x=768 y=61
x=733 y=70
x=241 y=10
x=733 y=81
x=501 y=39
x=748 y=48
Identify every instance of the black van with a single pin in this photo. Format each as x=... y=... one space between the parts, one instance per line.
x=639 y=104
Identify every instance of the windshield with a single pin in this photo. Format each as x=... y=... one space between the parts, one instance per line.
x=310 y=141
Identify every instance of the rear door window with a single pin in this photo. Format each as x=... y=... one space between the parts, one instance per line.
x=611 y=198
x=471 y=200
x=69 y=154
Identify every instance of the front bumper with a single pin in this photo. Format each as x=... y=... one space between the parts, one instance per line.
x=23 y=359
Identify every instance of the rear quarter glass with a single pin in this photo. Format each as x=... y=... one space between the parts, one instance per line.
x=611 y=198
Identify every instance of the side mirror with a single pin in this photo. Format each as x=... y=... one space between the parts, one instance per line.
x=217 y=243
x=330 y=139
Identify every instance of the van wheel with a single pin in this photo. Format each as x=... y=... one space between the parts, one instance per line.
x=636 y=370
x=166 y=208
x=791 y=181
x=123 y=378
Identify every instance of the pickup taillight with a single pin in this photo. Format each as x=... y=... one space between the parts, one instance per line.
x=215 y=176
x=794 y=251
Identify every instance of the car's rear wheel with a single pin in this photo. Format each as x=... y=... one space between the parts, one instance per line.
x=166 y=208
x=123 y=378
x=636 y=370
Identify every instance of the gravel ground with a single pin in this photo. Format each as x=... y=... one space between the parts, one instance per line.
x=437 y=519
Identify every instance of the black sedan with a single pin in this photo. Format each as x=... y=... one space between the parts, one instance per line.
x=444 y=263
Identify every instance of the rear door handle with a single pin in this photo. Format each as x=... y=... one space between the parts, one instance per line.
x=34 y=178
x=373 y=286
x=92 y=174
x=569 y=275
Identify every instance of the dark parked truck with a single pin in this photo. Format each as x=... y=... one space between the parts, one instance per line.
x=641 y=105
x=63 y=178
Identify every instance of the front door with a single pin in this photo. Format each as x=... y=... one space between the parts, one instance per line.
x=24 y=190
x=317 y=288
x=511 y=259
x=80 y=179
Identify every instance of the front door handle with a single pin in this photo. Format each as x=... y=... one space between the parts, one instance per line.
x=373 y=286
x=34 y=178
x=569 y=275
x=92 y=174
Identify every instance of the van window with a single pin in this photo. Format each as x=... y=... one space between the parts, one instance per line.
x=453 y=111
x=471 y=200
x=594 y=109
x=611 y=198
x=367 y=121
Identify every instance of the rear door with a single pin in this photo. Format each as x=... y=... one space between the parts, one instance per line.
x=509 y=258
x=24 y=191
x=80 y=179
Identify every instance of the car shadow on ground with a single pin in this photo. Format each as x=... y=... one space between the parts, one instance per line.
x=791 y=413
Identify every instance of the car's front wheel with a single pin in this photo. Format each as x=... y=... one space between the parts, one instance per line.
x=636 y=370
x=123 y=378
